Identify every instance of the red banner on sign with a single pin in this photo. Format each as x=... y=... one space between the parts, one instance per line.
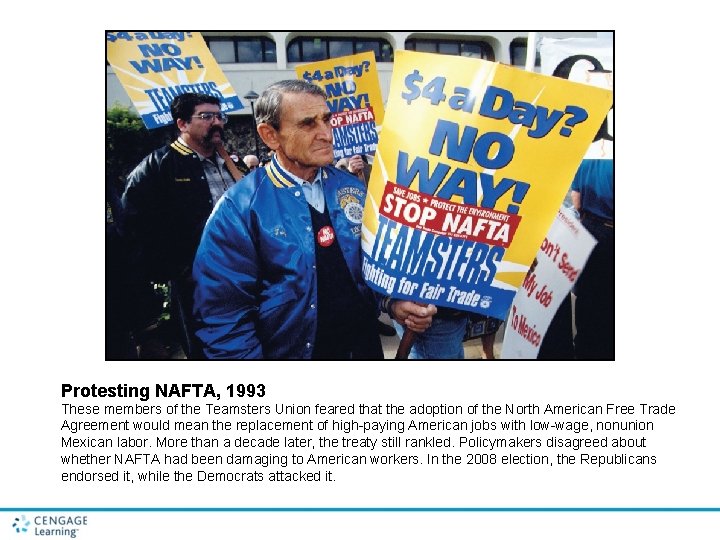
x=356 y=116
x=439 y=216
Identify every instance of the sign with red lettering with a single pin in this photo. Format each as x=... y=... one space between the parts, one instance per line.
x=561 y=258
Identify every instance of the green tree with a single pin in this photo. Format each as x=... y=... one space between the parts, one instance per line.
x=127 y=141
x=131 y=304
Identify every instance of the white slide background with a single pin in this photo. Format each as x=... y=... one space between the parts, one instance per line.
x=51 y=214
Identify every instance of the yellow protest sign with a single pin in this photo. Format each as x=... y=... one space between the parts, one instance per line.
x=154 y=67
x=472 y=165
x=354 y=97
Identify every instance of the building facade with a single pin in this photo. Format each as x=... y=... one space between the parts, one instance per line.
x=254 y=60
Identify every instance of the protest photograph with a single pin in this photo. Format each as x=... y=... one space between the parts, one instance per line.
x=409 y=215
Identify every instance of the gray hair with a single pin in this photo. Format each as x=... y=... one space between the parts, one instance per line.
x=267 y=108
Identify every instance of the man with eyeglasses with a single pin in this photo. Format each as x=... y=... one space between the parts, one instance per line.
x=168 y=198
x=278 y=268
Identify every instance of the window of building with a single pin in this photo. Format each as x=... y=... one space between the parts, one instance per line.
x=242 y=50
x=472 y=49
x=518 y=52
x=312 y=49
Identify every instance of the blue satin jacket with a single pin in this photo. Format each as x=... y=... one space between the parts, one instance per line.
x=256 y=294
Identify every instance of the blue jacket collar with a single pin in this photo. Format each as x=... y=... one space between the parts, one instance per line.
x=281 y=178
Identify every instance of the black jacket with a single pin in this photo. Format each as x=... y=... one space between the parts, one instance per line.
x=163 y=211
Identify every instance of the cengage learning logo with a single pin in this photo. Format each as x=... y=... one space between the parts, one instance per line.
x=21 y=524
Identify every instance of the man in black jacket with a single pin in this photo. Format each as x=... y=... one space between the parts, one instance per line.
x=168 y=198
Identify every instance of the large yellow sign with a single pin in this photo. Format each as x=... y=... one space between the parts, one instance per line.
x=354 y=97
x=473 y=163
x=154 y=67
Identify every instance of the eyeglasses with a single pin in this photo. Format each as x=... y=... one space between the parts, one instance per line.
x=208 y=116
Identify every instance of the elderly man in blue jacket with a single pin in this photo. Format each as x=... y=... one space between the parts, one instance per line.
x=278 y=268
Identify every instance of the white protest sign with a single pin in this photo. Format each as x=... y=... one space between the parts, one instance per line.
x=561 y=258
